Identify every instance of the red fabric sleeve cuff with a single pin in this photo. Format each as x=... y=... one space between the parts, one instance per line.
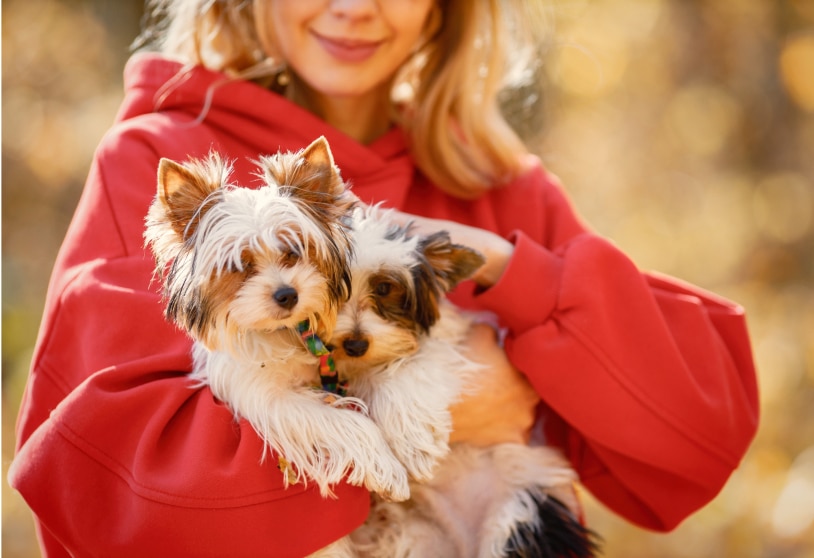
x=527 y=292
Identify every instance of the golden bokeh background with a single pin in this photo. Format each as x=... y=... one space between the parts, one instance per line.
x=683 y=129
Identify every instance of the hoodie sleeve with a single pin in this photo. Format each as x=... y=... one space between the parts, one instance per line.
x=118 y=453
x=648 y=383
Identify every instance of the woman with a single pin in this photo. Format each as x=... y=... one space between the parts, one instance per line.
x=646 y=383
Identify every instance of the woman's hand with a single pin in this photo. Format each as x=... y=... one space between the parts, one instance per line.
x=501 y=407
x=496 y=249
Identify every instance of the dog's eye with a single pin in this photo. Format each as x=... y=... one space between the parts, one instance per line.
x=246 y=264
x=290 y=258
x=383 y=288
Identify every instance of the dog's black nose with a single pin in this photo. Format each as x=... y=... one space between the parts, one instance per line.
x=355 y=347
x=286 y=297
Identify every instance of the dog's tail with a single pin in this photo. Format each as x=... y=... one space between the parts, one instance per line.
x=556 y=533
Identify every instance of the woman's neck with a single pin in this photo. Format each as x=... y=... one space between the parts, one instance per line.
x=364 y=118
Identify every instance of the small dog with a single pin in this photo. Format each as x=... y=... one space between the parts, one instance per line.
x=399 y=344
x=242 y=269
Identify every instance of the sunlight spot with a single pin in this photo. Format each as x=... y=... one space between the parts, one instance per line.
x=797 y=70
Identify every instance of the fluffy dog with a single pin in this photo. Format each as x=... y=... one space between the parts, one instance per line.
x=241 y=270
x=399 y=344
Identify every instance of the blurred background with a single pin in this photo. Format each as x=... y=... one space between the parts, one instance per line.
x=684 y=131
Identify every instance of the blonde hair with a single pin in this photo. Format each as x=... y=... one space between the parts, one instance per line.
x=447 y=98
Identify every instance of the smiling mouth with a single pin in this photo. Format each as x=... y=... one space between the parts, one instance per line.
x=348 y=50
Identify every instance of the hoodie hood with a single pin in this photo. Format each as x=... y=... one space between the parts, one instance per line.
x=260 y=121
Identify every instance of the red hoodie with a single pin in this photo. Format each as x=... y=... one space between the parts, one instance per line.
x=648 y=384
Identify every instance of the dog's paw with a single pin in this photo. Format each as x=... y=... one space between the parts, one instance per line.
x=382 y=474
x=368 y=459
x=391 y=487
x=388 y=478
x=418 y=438
x=420 y=454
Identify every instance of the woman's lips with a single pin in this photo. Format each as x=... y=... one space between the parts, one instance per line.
x=348 y=50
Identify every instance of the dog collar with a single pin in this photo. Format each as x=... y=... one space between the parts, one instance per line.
x=328 y=376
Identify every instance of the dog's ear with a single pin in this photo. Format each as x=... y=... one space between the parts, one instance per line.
x=319 y=152
x=325 y=176
x=309 y=174
x=451 y=263
x=185 y=190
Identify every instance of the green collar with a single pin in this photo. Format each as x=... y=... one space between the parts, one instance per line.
x=328 y=375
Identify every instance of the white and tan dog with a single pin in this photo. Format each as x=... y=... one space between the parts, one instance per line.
x=241 y=269
x=400 y=345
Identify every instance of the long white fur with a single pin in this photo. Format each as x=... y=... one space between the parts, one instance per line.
x=326 y=443
x=410 y=403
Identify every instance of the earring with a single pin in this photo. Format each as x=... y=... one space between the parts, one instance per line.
x=283 y=78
